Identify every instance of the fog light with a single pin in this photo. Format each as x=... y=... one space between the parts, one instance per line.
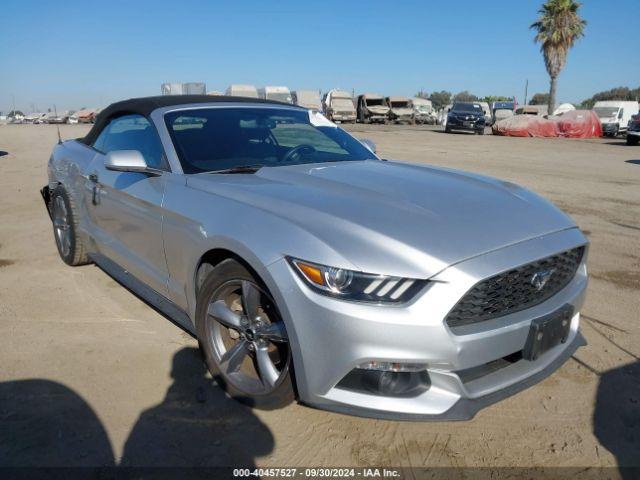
x=392 y=366
x=388 y=379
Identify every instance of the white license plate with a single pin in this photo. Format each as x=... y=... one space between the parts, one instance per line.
x=468 y=124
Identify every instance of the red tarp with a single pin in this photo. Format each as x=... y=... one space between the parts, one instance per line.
x=579 y=124
x=573 y=124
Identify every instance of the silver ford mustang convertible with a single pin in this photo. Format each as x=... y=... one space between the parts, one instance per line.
x=311 y=269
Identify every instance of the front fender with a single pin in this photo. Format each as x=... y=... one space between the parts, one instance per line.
x=196 y=222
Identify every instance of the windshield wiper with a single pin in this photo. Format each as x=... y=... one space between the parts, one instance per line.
x=240 y=169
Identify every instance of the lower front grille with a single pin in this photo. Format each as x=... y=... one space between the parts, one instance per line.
x=516 y=289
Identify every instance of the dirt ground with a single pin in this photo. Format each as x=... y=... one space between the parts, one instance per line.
x=91 y=375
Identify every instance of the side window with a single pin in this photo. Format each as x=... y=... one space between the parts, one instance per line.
x=621 y=114
x=133 y=132
x=99 y=142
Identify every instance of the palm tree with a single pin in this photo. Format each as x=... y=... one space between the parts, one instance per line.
x=558 y=27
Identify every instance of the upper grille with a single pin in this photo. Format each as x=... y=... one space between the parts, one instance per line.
x=515 y=290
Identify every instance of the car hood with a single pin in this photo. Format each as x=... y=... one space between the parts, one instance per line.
x=467 y=114
x=391 y=217
x=378 y=109
x=402 y=110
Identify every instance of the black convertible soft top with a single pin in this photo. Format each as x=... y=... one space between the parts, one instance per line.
x=145 y=105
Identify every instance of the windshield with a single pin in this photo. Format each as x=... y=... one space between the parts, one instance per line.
x=467 y=107
x=605 y=112
x=503 y=112
x=209 y=139
x=422 y=108
x=342 y=104
x=374 y=102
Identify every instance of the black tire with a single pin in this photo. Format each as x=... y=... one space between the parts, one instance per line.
x=481 y=132
x=447 y=130
x=632 y=139
x=72 y=251
x=226 y=271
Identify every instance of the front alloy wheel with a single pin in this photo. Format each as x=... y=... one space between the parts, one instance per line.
x=244 y=338
x=61 y=226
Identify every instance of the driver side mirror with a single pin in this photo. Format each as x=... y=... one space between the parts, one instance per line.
x=369 y=144
x=128 y=161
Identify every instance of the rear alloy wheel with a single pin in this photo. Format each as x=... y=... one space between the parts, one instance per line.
x=243 y=337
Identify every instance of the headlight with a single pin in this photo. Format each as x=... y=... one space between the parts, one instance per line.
x=356 y=286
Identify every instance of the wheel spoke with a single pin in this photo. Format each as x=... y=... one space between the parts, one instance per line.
x=250 y=299
x=266 y=369
x=232 y=358
x=274 y=332
x=224 y=315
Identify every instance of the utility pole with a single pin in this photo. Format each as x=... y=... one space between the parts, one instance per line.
x=526 y=88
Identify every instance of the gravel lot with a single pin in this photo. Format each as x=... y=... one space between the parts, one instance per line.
x=90 y=375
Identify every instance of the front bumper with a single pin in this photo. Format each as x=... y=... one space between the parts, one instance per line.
x=466 y=125
x=344 y=117
x=610 y=128
x=400 y=118
x=329 y=338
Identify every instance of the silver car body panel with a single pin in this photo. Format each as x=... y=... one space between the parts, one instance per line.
x=454 y=228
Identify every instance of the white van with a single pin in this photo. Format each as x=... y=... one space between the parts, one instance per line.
x=615 y=115
x=279 y=94
x=242 y=91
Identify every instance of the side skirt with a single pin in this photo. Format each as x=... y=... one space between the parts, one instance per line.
x=154 y=299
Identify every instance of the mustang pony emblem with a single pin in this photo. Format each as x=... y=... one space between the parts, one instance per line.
x=540 y=279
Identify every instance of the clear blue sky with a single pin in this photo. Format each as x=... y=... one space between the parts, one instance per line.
x=84 y=53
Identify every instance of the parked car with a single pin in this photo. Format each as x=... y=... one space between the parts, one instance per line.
x=15 y=116
x=279 y=94
x=488 y=117
x=56 y=117
x=308 y=268
x=308 y=99
x=372 y=108
x=633 y=130
x=466 y=116
x=423 y=111
x=35 y=117
x=615 y=115
x=238 y=90
x=338 y=106
x=400 y=110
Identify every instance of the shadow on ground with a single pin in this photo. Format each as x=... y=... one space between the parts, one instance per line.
x=45 y=423
x=616 y=420
x=634 y=162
